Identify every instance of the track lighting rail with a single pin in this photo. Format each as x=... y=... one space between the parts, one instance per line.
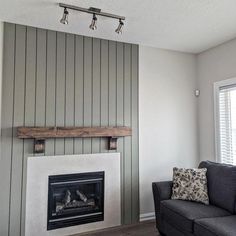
x=91 y=11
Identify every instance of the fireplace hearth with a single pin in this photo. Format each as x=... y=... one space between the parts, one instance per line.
x=75 y=199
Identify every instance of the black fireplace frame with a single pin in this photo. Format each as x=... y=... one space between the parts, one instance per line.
x=79 y=219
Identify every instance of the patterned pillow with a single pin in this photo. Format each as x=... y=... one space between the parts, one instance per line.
x=190 y=184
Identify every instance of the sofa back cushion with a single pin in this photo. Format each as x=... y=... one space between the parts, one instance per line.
x=221 y=181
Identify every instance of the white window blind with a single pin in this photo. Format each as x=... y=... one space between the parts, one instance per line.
x=227 y=124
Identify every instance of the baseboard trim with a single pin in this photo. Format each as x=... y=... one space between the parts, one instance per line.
x=147 y=216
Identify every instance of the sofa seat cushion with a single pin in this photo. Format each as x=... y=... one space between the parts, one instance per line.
x=181 y=214
x=219 y=226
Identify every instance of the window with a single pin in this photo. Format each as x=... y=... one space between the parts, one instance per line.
x=225 y=117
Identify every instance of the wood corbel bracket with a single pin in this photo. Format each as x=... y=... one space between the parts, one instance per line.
x=112 y=143
x=39 y=145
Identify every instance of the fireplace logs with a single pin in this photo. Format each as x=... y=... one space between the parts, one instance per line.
x=68 y=203
x=81 y=195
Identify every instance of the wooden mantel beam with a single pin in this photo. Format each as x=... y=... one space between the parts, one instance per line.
x=72 y=132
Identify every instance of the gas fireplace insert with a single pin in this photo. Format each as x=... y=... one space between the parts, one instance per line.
x=75 y=199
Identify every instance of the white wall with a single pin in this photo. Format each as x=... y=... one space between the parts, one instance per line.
x=167 y=117
x=213 y=65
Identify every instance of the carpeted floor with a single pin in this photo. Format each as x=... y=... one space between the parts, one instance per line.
x=142 y=229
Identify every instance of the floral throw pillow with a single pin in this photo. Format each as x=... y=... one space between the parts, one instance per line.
x=190 y=184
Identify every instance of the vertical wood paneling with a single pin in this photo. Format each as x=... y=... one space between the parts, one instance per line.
x=29 y=109
x=104 y=90
x=134 y=121
x=127 y=140
x=112 y=85
x=53 y=78
x=7 y=124
x=40 y=78
x=88 y=50
x=96 y=86
x=120 y=114
x=50 y=88
x=60 y=89
x=79 y=91
x=30 y=83
x=18 y=120
x=70 y=82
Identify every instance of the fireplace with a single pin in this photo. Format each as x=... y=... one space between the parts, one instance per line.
x=49 y=178
x=75 y=199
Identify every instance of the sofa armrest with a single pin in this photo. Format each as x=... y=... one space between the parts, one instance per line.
x=161 y=191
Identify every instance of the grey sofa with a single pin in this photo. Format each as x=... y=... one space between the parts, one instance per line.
x=185 y=218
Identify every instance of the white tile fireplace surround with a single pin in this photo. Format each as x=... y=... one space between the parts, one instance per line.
x=40 y=168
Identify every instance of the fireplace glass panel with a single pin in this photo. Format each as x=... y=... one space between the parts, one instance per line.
x=75 y=199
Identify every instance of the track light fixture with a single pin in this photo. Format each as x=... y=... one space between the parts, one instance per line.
x=120 y=27
x=64 y=19
x=93 y=25
x=95 y=12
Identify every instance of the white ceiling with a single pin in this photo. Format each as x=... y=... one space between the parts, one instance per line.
x=182 y=25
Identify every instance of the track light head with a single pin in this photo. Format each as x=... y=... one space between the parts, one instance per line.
x=93 y=25
x=120 y=27
x=64 y=19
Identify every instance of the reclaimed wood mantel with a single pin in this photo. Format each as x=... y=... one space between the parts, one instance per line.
x=39 y=134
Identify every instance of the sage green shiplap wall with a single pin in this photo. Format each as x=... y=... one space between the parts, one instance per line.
x=52 y=78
